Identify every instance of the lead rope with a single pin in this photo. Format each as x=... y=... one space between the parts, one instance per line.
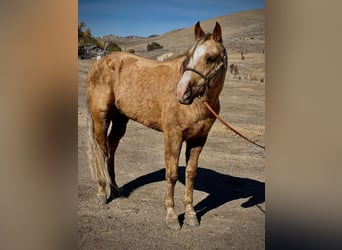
x=228 y=126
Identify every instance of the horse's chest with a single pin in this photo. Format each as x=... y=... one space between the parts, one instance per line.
x=198 y=128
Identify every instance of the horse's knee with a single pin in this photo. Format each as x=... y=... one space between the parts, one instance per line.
x=173 y=179
x=171 y=175
x=191 y=173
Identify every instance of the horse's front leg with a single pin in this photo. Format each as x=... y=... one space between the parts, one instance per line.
x=173 y=144
x=193 y=149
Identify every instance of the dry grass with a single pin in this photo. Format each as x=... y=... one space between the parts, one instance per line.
x=243 y=30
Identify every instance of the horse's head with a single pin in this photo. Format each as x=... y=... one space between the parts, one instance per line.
x=204 y=66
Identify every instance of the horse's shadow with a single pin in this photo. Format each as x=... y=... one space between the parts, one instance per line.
x=220 y=187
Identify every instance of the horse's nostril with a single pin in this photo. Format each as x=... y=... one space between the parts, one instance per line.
x=187 y=93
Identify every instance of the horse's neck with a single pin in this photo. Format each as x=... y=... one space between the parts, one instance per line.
x=213 y=95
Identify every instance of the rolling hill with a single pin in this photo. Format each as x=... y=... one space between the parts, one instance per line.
x=241 y=31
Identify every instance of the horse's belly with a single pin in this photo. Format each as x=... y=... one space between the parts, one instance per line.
x=141 y=111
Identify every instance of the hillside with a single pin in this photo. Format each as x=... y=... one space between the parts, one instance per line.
x=241 y=31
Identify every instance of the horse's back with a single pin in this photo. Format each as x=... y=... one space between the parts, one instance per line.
x=112 y=70
x=138 y=87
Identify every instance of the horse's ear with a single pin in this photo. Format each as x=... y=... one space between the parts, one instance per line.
x=217 y=33
x=198 y=31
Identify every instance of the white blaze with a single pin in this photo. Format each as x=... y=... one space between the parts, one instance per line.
x=199 y=52
x=183 y=83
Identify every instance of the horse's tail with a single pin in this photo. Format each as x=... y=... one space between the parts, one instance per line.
x=97 y=158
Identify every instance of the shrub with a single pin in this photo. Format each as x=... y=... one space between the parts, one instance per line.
x=153 y=46
x=113 y=47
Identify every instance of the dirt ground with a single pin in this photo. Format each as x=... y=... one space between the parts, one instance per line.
x=229 y=194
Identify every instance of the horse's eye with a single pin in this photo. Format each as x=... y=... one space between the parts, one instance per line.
x=210 y=60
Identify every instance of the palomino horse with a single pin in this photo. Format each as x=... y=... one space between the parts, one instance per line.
x=161 y=95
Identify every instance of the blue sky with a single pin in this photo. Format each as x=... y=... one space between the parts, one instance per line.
x=148 y=17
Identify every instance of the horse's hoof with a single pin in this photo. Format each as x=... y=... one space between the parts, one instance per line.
x=191 y=220
x=173 y=224
x=101 y=200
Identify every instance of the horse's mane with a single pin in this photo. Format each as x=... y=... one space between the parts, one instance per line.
x=203 y=39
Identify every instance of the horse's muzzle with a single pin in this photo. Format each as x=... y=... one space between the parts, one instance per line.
x=185 y=98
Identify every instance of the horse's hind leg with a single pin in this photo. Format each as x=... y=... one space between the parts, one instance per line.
x=193 y=149
x=118 y=129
